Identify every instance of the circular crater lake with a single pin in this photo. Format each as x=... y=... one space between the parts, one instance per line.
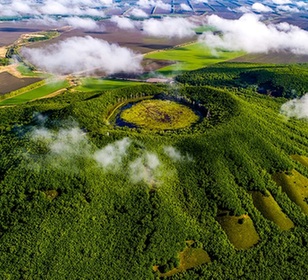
x=157 y=114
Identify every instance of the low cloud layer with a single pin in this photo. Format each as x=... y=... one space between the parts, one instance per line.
x=259 y=7
x=250 y=34
x=70 y=151
x=169 y=27
x=296 y=108
x=138 y=13
x=175 y=154
x=52 y=7
x=153 y=3
x=112 y=155
x=85 y=55
x=145 y=169
x=123 y=22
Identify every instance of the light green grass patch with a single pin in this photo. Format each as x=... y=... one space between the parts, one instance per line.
x=26 y=71
x=98 y=84
x=159 y=114
x=190 y=57
x=301 y=159
x=35 y=93
x=270 y=209
x=240 y=230
x=295 y=185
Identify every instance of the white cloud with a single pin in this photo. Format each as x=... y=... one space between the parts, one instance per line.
x=83 y=54
x=112 y=155
x=145 y=168
x=249 y=34
x=185 y=7
x=288 y=9
x=199 y=1
x=138 y=13
x=175 y=154
x=52 y=7
x=82 y=23
x=152 y=3
x=169 y=27
x=123 y=22
x=296 y=108
x=243 y=9
x=259 y=7
x=282 y=2
x=302 y=5
x=21 y=7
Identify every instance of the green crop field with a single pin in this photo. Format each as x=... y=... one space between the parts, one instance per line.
x=97 y=84
x=190 y=57
x=35 y=93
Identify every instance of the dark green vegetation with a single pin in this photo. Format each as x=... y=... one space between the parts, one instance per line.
x=72 y=207
x=276 y=80
x=4 y=61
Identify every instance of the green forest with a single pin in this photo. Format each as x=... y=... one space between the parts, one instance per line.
x=82 y=197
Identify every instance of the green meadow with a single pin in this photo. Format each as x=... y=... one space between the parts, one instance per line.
x=98 y=84
x=190 y=57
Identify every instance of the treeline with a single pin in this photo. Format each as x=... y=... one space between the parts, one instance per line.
x=288 y=81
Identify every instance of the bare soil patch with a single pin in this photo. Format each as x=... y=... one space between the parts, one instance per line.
x=10 y=83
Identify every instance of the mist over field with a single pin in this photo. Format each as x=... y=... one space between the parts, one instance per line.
x=84 y=54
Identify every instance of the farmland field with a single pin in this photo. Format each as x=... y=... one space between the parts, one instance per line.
x=98 y=84
x=190 y=57
x=35 y=93
x=275 y=58
x=10 y=83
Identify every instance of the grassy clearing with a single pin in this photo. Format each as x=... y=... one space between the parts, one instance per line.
x=240 y=230
x=95 y=84
x=296 y=187
x=301 y=159
x=159 y=114
x=35 y=93
x=190 y=57
x=271 y=210
x=189 y=258
x=24 y=70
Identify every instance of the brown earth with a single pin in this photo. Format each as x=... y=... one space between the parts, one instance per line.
x=10 y=83
x=11 y=31
x=133 y=39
